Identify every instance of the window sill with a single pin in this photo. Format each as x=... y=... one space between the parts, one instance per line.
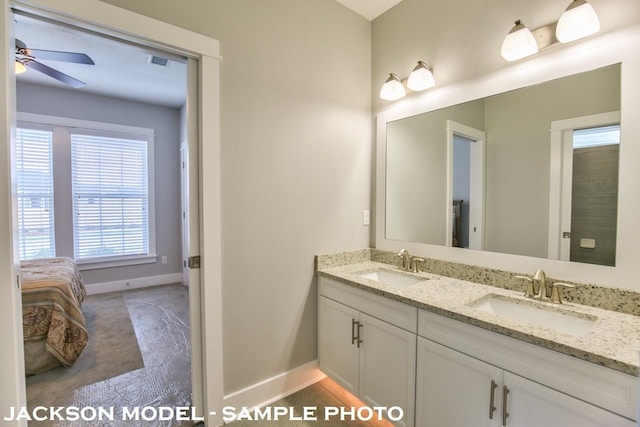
x=116 y=262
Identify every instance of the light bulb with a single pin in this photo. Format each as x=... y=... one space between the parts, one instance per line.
x=519 y=43
x=20 y=67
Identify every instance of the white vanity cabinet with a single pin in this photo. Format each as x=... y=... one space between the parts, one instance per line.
x=453 y=389
x=476 y=377
x=367 y=343
x=530 y=404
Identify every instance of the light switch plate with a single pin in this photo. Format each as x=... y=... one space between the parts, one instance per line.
x=366 y=217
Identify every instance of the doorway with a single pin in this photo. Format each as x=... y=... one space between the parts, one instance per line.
x=113 y=180
x=202 y=99
x=583 y=192
x=465 y=187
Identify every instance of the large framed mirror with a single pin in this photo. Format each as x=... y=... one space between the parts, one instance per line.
x=533 y=171
x=519 y=205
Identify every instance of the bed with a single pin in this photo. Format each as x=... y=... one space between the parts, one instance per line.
x=55 y=333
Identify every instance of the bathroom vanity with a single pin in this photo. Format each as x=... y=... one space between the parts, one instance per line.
x=436 y=347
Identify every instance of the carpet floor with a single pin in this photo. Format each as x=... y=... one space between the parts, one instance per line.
x=138 y=355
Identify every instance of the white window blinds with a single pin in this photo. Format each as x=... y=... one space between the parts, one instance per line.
x=34 y=167
x=110 y=196
x=596 y=137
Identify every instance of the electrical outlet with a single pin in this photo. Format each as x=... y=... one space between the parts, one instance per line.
x=164 y=259
x=366 y=217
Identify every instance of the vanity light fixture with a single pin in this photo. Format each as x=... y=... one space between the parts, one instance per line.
x=421 y=78
x=392 y=89
x=578 y=21
x=519 y=43
x=20 y=67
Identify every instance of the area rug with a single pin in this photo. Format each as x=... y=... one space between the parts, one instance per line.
x=112 y=351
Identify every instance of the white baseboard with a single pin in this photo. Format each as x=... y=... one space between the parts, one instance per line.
x=275 y=388
x=142 y=282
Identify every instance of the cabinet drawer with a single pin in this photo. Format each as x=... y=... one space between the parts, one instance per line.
x=600 y=386
x=401 y=315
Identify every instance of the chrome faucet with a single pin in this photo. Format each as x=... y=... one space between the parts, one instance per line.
x=406 y=259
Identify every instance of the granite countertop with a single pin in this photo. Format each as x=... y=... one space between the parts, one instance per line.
x=613 y=341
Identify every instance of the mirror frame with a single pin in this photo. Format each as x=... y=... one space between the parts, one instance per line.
x=616 y=47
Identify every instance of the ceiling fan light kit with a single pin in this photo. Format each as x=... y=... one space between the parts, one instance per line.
x=26 y=58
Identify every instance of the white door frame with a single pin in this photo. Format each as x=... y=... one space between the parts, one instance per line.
x=203 y=102
x=560 y=180
x=477 y=184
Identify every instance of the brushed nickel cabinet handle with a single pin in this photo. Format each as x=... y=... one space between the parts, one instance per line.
x=505 y=392
x=360 y=325
x=492 y=408
x=354 y=338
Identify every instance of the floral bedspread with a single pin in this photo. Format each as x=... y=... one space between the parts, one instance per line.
x=52 y=294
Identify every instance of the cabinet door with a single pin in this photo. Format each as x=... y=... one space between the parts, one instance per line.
x=338 y=356
x=530 y=404
x=387 y=367
x=454 y=389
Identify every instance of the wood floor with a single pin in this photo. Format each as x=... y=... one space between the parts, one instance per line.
x=322 y=398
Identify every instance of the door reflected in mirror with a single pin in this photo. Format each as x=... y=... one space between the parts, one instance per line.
x=589 y=208
x=488 y=174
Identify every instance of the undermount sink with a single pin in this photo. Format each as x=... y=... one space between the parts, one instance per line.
x=392 y=278
x=554 y=318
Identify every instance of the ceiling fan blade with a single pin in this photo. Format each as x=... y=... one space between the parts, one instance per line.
x=56 y=55
x=64 y=78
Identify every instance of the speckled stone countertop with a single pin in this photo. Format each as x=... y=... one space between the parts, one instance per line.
x=613 y=341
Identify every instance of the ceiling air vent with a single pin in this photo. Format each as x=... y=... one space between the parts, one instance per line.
x=158 y=60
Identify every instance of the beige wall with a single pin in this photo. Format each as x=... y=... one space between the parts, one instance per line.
x=296 y=155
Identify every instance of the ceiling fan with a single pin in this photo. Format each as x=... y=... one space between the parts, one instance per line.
x=26 y=58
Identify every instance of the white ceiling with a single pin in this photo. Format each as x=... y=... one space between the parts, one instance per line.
x=370 y=9
x=121 y=70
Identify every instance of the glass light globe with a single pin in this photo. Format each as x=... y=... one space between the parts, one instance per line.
x=519 y=43
x=392 y=88
x=578 y=21
x=421 y=78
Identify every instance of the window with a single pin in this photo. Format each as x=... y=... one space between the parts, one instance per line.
x=596 y=136
x=34 y=166
x=104 y=192
x=110 y=196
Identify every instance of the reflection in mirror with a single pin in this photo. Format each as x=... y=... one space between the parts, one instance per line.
x=592 y=200
x=515 y=203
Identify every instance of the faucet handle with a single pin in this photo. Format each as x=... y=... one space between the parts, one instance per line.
x=530 y=292
x=414 y=263
x=556 y=295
